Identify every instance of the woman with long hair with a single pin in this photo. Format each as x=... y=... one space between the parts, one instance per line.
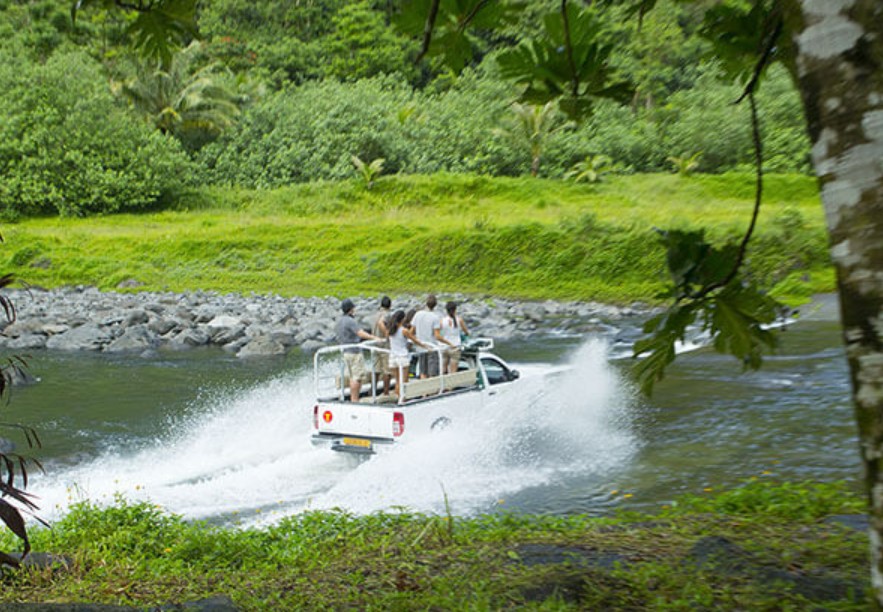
x=452 y=329
x=399 y=357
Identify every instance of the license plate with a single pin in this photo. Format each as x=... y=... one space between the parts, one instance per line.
x=357 y=442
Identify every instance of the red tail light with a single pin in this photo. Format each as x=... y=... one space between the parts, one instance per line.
x=316 y=416
x=398 y=423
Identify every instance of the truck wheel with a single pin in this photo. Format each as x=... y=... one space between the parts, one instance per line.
x=440 y=423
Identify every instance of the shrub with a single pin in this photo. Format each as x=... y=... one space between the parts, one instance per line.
x=308 y=133
x=66 y=147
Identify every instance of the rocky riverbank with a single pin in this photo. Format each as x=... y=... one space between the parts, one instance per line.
x=85 y=319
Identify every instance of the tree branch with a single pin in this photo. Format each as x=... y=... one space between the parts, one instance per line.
x=568 y=49
x=427 y=30
x=767 y=51
x=475 y=10
x=758 y=192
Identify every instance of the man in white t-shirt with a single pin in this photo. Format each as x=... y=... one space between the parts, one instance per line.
x=427 y=326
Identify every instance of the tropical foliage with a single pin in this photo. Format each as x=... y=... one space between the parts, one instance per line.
x=68 y=147
x=187 y=100
x=306 y=124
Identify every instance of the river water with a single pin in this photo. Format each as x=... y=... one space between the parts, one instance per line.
x=209 y=436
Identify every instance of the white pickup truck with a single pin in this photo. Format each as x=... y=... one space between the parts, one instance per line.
x=421 y=405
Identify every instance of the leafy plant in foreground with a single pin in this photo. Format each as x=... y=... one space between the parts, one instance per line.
x=14 y=465
x=708 y=292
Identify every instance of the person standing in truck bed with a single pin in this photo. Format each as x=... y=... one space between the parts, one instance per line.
x=453 y=328
x=427 y=324
x=349 y=332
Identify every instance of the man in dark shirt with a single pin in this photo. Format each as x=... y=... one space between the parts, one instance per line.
x=349 y=332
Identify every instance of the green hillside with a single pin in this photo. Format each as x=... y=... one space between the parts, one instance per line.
x=515 y=237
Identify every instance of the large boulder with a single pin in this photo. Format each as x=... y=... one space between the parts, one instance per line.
x=261 y=346
x=87 y=337
x=24 y=327
x=189 y=338
x=27 y=342
x=135 y=339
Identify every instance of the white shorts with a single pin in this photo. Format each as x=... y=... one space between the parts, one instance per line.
x=399 y=361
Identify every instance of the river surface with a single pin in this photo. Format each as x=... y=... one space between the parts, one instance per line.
x=210 y=436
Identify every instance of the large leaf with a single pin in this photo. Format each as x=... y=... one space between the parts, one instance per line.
x=568 y=63
x=658 y=350
x=448 y=30
x=741 y=34
x=693 y=263
x=159 y=28
x=10 y=515
x=738 y=317
x=709 y=295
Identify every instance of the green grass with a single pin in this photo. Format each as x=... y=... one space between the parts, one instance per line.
x=774 y=550
x=524 y=238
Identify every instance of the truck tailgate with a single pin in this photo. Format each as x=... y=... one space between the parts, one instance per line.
x=356 y=420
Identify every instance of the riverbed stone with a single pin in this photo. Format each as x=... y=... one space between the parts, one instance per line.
x=24 y=326
x=261 y=346
x=87 y=337
x=311 y=346
x=224 y=321
x=136 y=317
x=27 y=342
x=162 y=326
x=134 y=339
x=196 y=336
x=224 y=336
x=83 y=318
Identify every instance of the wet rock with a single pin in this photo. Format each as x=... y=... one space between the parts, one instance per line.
x=225 y=336
x=87 y=337
x=162 y=326
x=261 y=346
x=136 y=317
x=224 y=321
x=27 y=342
x=134 y=340
x=190 y=338
x=534 y=312
x=82 y=318
x=24 y=327
x=311 y=346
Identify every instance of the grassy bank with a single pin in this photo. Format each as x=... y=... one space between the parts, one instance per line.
x=524 y=238
x=762 y=546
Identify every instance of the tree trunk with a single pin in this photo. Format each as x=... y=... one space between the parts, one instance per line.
x=535 y=165
x=838 y=47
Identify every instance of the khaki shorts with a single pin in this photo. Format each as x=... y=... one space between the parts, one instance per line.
x=452 y=355
x=354 y=366
x=381 y=362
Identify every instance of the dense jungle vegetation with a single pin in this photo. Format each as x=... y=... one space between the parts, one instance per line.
x=279 y=92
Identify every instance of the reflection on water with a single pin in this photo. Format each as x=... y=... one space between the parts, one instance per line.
x=207 y=435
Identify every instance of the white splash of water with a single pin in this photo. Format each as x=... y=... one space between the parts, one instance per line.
x=247 y=457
